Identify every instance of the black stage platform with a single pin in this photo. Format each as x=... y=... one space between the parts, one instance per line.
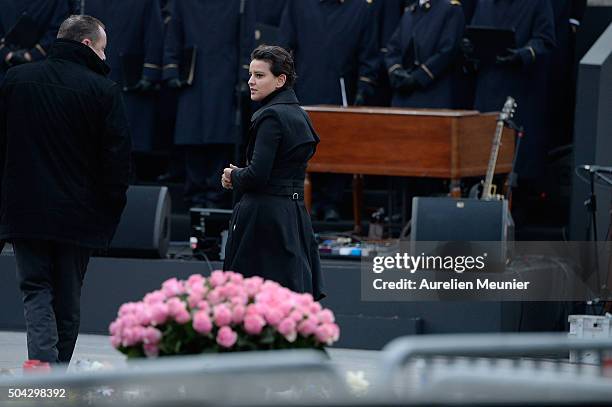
x=364 y=325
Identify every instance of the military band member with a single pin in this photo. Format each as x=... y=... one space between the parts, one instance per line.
x=422 y=56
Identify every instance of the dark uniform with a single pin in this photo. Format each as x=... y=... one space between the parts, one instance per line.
x=135 y=43
x=388 y=15
x=270 y=233
x=47 y=14
x=206 y=112
x=426 y=45
x=332 y=40
x=568 y=15
x=521 y=74
x=268 y=14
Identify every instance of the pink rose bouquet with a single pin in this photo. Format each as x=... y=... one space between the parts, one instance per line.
x=221 y=313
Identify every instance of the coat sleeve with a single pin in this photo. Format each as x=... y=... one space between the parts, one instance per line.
x=393 y=57
x=542 y=39
x=153 y=41
x=447 y=48
x=368 y=51
x=115 y=154
x=59 y=14
x=257 y=174
x=173 y=43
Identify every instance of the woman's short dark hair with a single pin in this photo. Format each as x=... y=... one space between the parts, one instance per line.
x=79 y=27
x=281 y=62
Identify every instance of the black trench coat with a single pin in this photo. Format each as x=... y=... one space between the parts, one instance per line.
x=270 y=233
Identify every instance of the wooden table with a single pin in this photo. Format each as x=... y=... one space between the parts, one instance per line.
x=432 y=143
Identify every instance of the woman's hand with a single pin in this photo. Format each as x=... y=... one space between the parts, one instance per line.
x=226 y=178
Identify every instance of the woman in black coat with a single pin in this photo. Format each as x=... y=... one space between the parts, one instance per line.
x=270 y=233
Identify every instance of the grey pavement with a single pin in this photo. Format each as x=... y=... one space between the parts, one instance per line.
x=13 y=353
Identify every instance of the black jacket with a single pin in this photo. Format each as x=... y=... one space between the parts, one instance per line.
x=64 y=149
x=270 y=233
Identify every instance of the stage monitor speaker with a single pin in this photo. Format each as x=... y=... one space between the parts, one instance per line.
x=441 y=219
x=144 y=229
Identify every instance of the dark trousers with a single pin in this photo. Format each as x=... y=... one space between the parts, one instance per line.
x=50 y=276
x=204 y=166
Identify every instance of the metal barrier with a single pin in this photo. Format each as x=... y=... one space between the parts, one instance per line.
x=493 y=367
x=230 y=378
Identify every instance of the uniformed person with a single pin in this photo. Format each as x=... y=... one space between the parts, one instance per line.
x=268 y=14
x=335 y=45
x=46 y=14
x=519 y=72
x=422 y=56
x=332 y=40
x=134 y=54
x=206 y=112
x=388 y=15
x=568 y=15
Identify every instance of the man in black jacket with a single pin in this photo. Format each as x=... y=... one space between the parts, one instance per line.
x=64 y=166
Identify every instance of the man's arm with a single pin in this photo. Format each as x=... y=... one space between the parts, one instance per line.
x=115 y=155
x=542 y=39
x=173 y=45
x=153 y=40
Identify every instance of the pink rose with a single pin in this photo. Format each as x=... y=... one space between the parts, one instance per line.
x=273 y=316
x=327 y=333
x=287 y=329
x=238 y=314
x=115 y=327
x=127 y=308
x=159 y=313
x=222 y=315
x=307 y=327
x=296 y=316
x=175 y=306
x=236 y=278
x=326 y=317
x=151 y=335
x=173 y=287
x=315 y=307
x=203 y=306
x=202 y=323
x=217 y=278
x=253 y=324
x=252 y=285
x=182 y=317
x=154 y=297
x=195 y=279
x=214 y=297
x=226 y=337
x=304 y=300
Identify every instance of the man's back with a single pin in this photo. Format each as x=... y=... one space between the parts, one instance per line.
x=64 y=126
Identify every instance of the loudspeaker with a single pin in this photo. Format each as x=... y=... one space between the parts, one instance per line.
x=144 y=229
x=440 y=219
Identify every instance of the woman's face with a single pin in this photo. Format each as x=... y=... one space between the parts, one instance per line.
x=262 y=81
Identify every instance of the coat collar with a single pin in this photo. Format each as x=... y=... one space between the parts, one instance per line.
x=281 y=97
x=78 y=53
